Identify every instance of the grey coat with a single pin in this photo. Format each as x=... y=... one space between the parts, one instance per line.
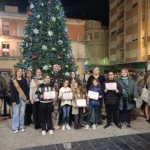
x=132 y=93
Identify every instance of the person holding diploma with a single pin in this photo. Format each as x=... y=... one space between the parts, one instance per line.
x=78 y=111
x=65 y=105
x=112 y=93
x=19 y=98
x=94 y=104
x=46 y=105
x=128 y=98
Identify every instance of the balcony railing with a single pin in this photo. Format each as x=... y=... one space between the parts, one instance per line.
x=120 y=2
x=11 y=54
x=120 y=16
x=120 y=31
x=120 y=60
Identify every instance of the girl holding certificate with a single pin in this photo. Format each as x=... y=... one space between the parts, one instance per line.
x=19 y=98
x=95 y=95
x=66 y=95
x=46 y=95
x=78 y=108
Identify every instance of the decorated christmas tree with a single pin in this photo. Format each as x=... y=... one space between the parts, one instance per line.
x=46 y=40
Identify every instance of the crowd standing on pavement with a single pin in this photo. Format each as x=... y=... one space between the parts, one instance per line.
x=40 y=99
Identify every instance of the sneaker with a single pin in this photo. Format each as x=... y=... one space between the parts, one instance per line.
x=107 y=126
x=56 y=127
x=16 y=131
x=118 y=126
x=128 y=125
x=43 y=133
x=51 y=132
x=87 y=127
x=94 y=127
x=22 y=130
x=68 y=127
x=63 y=128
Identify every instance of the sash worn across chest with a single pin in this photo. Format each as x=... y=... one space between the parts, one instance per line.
x=36 y=82
x=17 y=86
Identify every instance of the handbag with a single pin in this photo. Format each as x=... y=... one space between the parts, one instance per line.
x=144 y=95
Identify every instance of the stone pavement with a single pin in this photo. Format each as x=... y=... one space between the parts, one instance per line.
x=137 y=137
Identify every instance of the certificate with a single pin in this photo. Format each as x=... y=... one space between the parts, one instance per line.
x=67 y=96
x=81 y=102
x=93 y=95
x=111 y=86
x=50 y=95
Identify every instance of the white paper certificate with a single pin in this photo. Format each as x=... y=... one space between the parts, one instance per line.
x=81 y=102
x=50 y=95
x=67 y=96
x=93 y=95
x=111 y=86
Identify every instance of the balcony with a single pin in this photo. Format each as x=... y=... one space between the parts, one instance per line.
x=120 y=31
x=9 y=54
x=120 y=46
x=120 y=61
x=121 y=16
x=120 y=2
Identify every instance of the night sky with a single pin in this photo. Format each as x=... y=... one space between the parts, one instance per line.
x=80 y=9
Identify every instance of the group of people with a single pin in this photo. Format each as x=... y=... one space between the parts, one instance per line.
x=30 y=104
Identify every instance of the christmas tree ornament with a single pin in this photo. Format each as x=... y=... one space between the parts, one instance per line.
x=30 y=13
x=45 y=67
x=34 y=57
x=60 y=42
x=57 y=7
x=67 y=66
x=49 y=2
x=58 y=57
x=38 y=16
x=67 y=74
x=31 y=6
x=44 y=47
x=66 y=30
x=53 y=19
x=50 y=33
x=23 y=61
x=36 y=31
x=50 y=66
x=72 y=60
x=40 y=22
x=26 y=35
x=42 y=4
x=30 y=44
x=53 y=49
x=64 y=49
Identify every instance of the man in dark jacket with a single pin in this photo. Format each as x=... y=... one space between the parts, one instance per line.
x=112 y=93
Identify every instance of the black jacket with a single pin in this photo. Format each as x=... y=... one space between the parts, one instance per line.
x=14 y=92
x=101 y=79
x=111 y=97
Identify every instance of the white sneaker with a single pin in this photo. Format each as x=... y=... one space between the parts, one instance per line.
x=87 y=127
x=63 y=128
x=68 y=127
x=16 y=131
x=43 y=133
x=22 y=130
x=51 y=132
x=56 y=127
x=94 y=127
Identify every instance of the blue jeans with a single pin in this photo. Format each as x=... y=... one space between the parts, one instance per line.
x=66 y=114
x=96 y=114
x=18 y=115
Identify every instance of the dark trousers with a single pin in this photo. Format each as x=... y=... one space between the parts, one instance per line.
x=124 y=116
x=36 y=115
x=28 y=114
x=100 y=111
x=78 y=119
x=46 y=110
x=111 y=110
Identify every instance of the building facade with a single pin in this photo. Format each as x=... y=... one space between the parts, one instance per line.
x=96 y=44
x=127 y=33
x=12 y=26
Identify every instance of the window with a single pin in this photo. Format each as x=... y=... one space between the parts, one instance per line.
x=5 y=48
x=96 y=35
x=5 y=28
x=134 y=5
x=90 y=35
x=20 y=29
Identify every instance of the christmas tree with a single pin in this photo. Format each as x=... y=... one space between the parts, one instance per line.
x=46 y=40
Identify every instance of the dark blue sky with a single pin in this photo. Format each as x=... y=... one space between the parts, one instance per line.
x=81 y=9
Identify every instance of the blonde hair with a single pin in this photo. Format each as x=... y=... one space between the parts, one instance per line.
x=126 y=70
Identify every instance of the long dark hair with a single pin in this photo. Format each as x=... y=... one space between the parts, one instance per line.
x=76 y=78
x=15 y=75
x=96 y=81
x=27 y=73
x=147 y=74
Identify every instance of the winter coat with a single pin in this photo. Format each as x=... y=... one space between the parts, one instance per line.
x=99 y=90
x=75 y=109
x=111 y=97
x=132 y=92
